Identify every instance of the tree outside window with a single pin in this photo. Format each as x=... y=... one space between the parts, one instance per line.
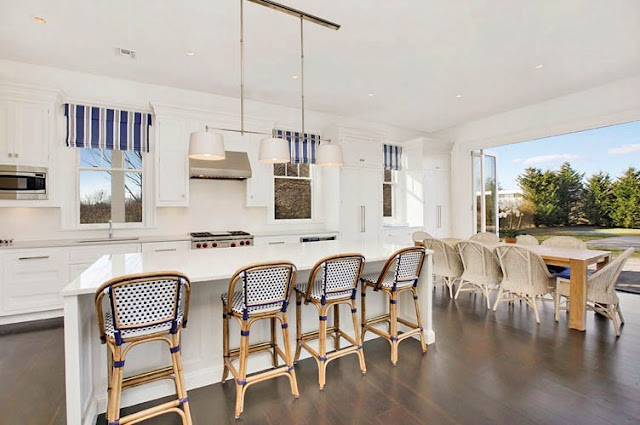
x=292 y=191
x=388 y=193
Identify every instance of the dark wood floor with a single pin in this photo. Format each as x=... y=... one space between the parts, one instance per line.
x=486 y=368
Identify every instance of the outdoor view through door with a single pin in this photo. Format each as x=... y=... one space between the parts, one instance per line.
x=485 y=189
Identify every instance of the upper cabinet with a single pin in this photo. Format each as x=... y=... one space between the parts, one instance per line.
x=360 y=147
x=25 y=132
x=172 y=161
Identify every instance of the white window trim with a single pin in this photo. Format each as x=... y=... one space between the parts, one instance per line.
x=313 y=177
x=147 y=205
x=394 y=196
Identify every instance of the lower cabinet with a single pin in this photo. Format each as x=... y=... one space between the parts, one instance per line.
x=400 y=236
x=166 y=246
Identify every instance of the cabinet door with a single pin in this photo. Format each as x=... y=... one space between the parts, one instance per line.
x=6 y=138
x=436 y=204
x=171 y=246
x=32 y=280
x=361 y=204
x=361 y=152
x=259 y=185
x=172 y=163
x=31 y=121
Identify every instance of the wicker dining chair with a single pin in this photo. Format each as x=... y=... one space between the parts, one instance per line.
x=264 y=294
x=601 y=291
x=563 y=242
x=481 y=269
x=332 y=281
x=527 y=240
x=419 y=237
x=485 y=237
x=143 y=308
x=446 y=262
x=400 y=273
x=525 y=277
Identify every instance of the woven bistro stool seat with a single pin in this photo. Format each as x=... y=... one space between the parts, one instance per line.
x=266 y=289
x=401 y=273
x=139 y=309
x=332 y=281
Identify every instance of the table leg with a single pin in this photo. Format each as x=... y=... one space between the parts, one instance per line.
x=578 y=295
x=603 y=263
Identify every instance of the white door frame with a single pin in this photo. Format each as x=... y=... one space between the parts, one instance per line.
x=481 y=153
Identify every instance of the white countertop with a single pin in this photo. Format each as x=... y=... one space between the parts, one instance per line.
x=54 y=243
x=294 y=233
x=219 y=264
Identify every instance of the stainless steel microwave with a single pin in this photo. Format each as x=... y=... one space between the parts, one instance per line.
x=23 y=182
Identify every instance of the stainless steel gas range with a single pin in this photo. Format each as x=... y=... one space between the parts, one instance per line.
x=232 y=239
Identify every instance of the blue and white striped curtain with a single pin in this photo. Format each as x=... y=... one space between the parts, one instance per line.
x=302 y=149
x=392 y=157
x=110 y=129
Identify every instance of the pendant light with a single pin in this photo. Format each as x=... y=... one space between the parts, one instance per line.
x=206 y=146
x=329 y=155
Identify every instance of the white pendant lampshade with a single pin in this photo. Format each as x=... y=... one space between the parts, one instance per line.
x=274 y=151
x=207 y=146
x=328 y=155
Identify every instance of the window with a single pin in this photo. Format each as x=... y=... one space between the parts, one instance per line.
x=110 y=186
x=292 y=191
x=389 y=193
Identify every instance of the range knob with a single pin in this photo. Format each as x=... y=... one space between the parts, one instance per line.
x=214 y=244
x=204 y=245
x=233 y=245
x=198 y=245
x=248 y=243
x=241 y=243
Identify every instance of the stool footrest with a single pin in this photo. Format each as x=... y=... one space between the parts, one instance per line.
x=378 y=319
x=151 y=412
x=146 y=377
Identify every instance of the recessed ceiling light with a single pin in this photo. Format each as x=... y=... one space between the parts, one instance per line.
x=370 y=94
x=458 y=96
x=40 y=19
x=539 y=66
x=295 y=77
x=190 y=53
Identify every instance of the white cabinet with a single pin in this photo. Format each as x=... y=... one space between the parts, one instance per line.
x=437 y=204
x=259 y=186
x=400 y=235
x=172 y=162
x=437 y=162
x=361 y=152
x=275 y=240
x=25 y=131
x=360 y=204
x=170 y=246
x=80 y=258
x=32 y=280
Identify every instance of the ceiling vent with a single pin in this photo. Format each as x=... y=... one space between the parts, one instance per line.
x=126 y=53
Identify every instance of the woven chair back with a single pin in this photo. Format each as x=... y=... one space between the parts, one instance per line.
x=264 y=284
x=564 y=242
x=339 y=274
x=446 y=260
x=523 y=271
x=527 y=240
x=487 y=237
x=479 y=262
x=420 y=236
x=605 y=279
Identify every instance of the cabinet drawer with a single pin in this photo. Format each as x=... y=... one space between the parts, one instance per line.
x=32 y=280
x=89 y=254
x=275 y=240
x=166 y=246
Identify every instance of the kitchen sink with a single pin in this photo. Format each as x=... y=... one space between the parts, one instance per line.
x=103 y=240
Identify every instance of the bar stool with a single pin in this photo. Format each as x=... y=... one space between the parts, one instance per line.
x=401 y=273
x=143 y=308
x=266 y=288
x=333 y=281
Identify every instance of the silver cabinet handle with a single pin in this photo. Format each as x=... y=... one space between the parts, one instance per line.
x=439 y=216
x=38 y=257
x=166 y=249
x=15 y=155
x=10 y=155
x=363 y=218
x=276 y=243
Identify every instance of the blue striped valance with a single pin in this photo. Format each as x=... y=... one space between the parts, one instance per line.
x=392 y=157
x=303 y=149
x=103 y=128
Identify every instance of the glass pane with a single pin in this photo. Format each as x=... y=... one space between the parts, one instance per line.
x=292 y=199
x=90 y=157
x=95 y=197
x=106 y=158
x=304 y=170
x=387 y=200
x=491 y=192
x=292 y=170
x=133 y=197
x=133 y=160
x=388 y=176
x=279 y=169
x=477 y=191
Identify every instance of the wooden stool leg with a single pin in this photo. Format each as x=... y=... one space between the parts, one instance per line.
x=356 y=331
x=274 y=354
x=393 y=326
x=242 y=370
x=363 y=308
x=113 y=414
x=322 y=347
x=287 y=352
x=109 y=376
x=181 y=390
x=336 y=325
x=423 y=341
x=298 y=327
x=225 y=343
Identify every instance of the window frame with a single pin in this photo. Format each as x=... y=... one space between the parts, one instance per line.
x=144 y=191
x=272 y=204
x=394 y=194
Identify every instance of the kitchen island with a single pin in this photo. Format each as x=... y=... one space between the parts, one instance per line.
x=209 y=272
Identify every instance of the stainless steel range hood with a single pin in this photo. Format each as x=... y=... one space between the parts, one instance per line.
x=235 y=167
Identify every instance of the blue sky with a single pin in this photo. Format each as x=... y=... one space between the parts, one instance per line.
x=612 y=149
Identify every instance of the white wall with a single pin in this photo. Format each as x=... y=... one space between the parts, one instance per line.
x=613 y=103
x=213 y=204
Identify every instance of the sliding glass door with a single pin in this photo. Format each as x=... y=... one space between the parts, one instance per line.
x=485 y=192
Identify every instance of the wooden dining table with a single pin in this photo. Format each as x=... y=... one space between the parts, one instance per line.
x=578 y=260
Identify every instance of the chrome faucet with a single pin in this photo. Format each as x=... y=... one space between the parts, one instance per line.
x=110 y=229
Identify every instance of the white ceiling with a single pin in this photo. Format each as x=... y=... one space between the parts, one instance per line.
x=415 y=56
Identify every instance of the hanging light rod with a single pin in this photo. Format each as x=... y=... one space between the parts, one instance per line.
x=297 y=13
x=262 y=133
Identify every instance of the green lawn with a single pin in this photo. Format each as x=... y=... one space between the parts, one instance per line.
x=585 y=233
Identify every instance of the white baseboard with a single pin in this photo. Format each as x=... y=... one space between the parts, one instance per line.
x=30 y=317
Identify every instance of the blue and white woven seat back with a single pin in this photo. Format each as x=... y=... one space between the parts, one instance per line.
x=268 y=286
x=340 y=275
x=409 y=266
x=139 y=304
